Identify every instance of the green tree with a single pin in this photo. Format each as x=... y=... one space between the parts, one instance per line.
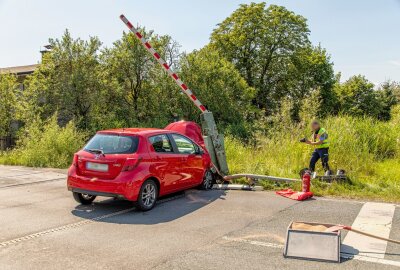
x=357 y=97
x=311 y=107
x=136 y=82
x=387 y=98
x=67 y=81
x=262 y=42
x=396 y=90
x=311 y=74
x=8 y=103
x=218 y=85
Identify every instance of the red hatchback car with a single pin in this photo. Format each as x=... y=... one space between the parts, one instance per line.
x=138 y=164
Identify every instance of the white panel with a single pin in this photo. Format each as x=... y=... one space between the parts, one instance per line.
x=313 y=245
x=374 y=218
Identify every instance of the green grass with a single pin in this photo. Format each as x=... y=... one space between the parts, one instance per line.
x=45 y=145
x=368 y=150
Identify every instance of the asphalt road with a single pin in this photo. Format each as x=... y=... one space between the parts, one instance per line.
x=42 y=227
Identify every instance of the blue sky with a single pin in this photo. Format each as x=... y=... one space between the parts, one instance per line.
x=362 y=36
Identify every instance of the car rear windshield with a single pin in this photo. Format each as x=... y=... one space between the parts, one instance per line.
x=112 y=144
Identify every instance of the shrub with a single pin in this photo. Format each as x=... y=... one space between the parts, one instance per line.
x=45 y=145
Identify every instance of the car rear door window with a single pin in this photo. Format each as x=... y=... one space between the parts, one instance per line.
x=112 y=144
x=161 y=143
x=184 y=145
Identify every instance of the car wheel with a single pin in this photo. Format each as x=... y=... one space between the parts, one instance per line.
x=208 y=180
x=83 y=198
x=148 y=195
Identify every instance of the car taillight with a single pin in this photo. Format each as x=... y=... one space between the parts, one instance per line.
x=131 y=164
x=75 y=160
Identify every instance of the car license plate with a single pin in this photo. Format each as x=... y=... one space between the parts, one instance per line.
x=97 y=167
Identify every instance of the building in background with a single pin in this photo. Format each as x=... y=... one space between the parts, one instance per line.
x=21 y=72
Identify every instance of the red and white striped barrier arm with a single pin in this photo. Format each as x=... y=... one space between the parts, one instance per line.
x=164 y=64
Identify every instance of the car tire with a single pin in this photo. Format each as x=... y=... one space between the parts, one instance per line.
x=208 y=180
x=148 y=195
x=83 y=198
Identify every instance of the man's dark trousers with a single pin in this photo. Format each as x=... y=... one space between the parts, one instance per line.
x=320 y=153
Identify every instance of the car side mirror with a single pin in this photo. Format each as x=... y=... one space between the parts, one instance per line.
x=199 y=151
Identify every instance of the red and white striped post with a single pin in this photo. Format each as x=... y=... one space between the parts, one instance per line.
x=164 y=64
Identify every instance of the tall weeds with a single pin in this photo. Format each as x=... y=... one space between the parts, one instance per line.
x=45 y=145
x=367 y=149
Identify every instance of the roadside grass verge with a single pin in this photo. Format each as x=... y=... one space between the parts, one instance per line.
x=367 y=149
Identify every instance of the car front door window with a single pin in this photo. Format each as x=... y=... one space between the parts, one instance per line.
x=184 y=145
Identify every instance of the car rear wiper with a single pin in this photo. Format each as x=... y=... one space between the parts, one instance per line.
x=96 y=151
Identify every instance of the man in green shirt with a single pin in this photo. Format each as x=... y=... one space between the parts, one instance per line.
x=319 y=140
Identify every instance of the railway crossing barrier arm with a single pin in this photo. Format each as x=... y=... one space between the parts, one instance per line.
x=214 y=140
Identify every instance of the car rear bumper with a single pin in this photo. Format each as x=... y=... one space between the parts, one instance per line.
x=96 y=193
x=122 y=186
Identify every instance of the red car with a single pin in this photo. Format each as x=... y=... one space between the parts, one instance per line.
x=138 y=164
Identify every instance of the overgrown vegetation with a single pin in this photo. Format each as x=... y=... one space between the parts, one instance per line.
x=45 y=144
x=260 y=75
x=367 y=149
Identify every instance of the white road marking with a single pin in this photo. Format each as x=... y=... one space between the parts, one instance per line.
x=22 y=170
x=32 y=183
x=62 y=228
x=342 y=255
x=253 y=242
x=374 y=218
x=76 y=224
x=371 y=260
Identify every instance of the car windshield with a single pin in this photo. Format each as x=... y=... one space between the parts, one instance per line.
x=112 y=144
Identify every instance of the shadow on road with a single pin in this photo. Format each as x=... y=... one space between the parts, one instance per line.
x=170 y=208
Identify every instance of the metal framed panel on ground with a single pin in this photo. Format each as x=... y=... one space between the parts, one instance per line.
x=312 y=245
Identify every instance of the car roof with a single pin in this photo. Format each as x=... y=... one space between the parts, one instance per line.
x=135 y=131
